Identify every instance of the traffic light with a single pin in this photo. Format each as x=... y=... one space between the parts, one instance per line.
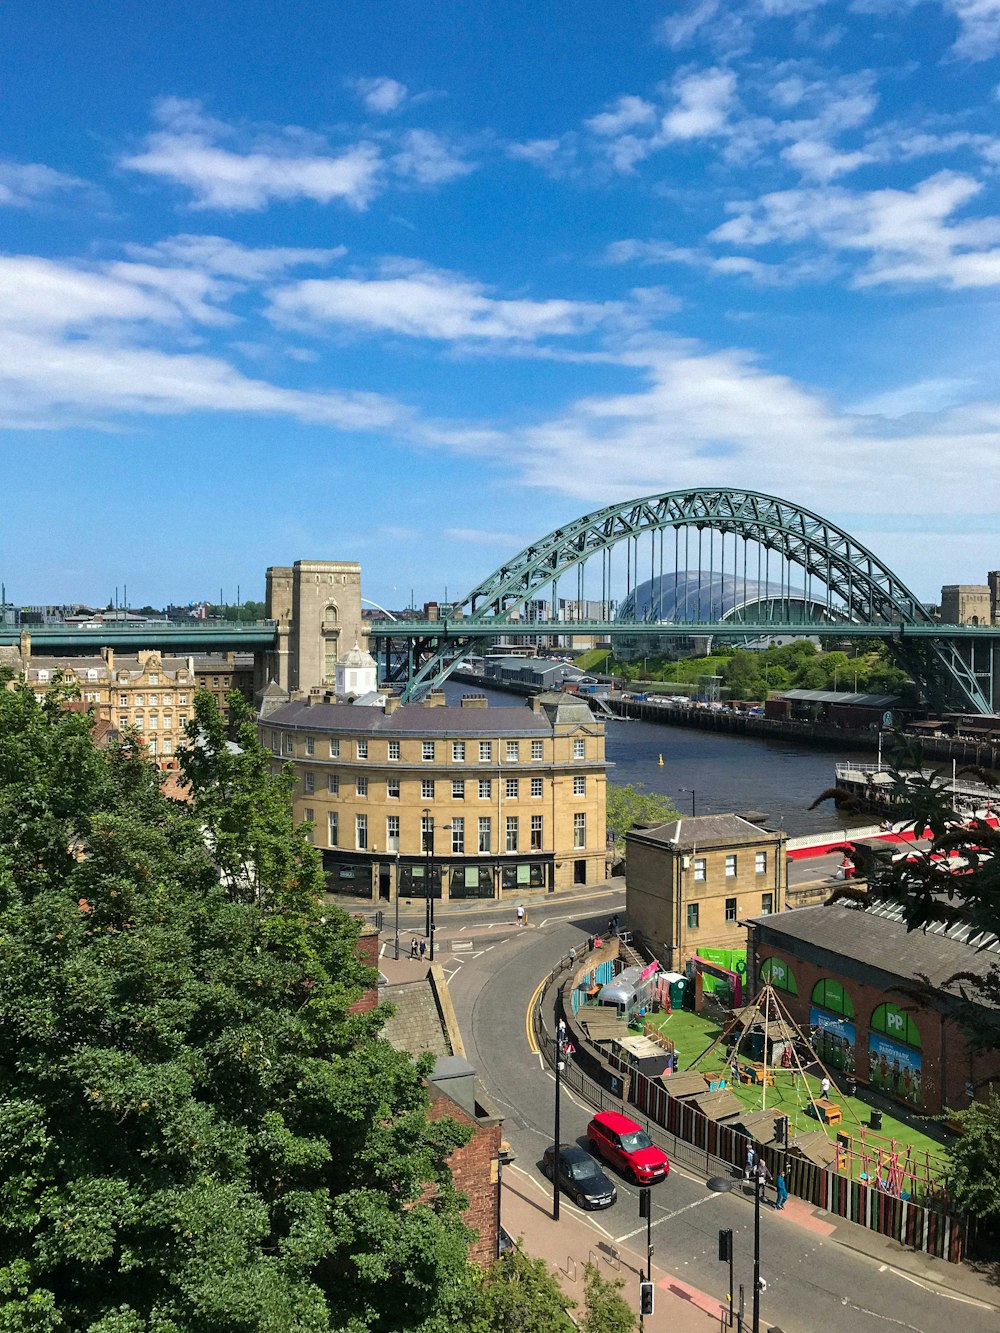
x=725 y=1246
x=781 y=1130
x=644 y=1202
x=645 y=1298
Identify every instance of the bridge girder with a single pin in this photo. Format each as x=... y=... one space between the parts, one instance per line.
x=868 y=591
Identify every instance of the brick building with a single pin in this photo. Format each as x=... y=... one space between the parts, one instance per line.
x=475 y=1168
x=880 y=1001
x=690 y=883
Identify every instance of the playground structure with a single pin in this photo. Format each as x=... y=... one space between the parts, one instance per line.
x=786 y=1055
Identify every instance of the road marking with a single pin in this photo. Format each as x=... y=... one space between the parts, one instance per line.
x=462 y=946
x=529 y=1031
x=668 y=1217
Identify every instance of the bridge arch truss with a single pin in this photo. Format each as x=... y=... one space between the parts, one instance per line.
x=741 y=534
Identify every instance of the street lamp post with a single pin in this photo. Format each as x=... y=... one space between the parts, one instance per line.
x=396 y=892
x=758 y=1180
x=560 y=1065
x=428 y=873
x=694 y=796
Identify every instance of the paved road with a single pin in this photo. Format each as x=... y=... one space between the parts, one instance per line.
x=814 y=1283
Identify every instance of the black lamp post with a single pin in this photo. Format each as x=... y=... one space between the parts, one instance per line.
x=555 y=1154
x=694 y=796
x=758 y=1181
x=428 y=873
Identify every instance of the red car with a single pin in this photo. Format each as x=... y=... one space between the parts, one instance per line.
x=621 y=1142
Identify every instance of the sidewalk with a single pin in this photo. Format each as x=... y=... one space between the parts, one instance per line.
x=567 y=1245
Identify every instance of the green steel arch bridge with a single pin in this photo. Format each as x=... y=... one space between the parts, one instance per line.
x=788 y=571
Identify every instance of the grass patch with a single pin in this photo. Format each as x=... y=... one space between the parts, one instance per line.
x=693 y=1033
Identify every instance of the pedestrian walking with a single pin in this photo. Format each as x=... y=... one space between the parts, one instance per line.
x=614 y=924
x=824 y=1087
x=520 y=914
x=751 y=1160
x=414 y=948
x=561 y=1032
x=611 y=926
x=781 y=1192
x=423 y=950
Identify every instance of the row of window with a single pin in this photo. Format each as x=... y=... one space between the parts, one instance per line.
x=152 y=723
x=140 y=701
x=829 y=994
x=428 y=749
x=483 y=831
x=512 y=787
x=701 y=866
x=732 y=911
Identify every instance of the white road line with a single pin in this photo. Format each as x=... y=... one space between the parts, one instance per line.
x=667 y=1217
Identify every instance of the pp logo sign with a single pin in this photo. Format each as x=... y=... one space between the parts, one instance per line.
x=894 y=1022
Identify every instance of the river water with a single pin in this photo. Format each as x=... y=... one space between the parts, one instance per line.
x=779 y=779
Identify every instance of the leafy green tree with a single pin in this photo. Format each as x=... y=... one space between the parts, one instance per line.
x=196 y=1133
x=742 y=675
x=605 y=1308
x=975 y=1184
x=628 y=805
x=520 y=1295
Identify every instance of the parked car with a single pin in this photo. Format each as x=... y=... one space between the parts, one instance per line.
x=626 y=1146
x=580 y=1176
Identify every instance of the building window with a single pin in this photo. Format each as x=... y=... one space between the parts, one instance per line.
x=182 y=698
x=362 y=749
x=458 y=789
x=511 y=833
x=153 y=700
x=182 y=721
x=168 y=722
x=485 y=789
x=579 y=750
x=427 y=751
x=760 y=863
x=700 y=869
x=392 y=788
x=730 y=909
x=485 y=751
x=779 y=974
x=536 y=833
x=361 y=832
x=361 y=786
x=513 y=752
x=333 y=784
x=308 y=783
x=151 y=745
x=579 y=786
x=335 y=749
x=394 y=749
x=310 y=813
x=579 y=829
x=537 y=750
x=288 y=745
x=154 y=721
x=457 y=835
x=123 y=700
x=154 y=679
x=537 y=787
x=766 y=904
x=485 y=833
x=140 y=721
x=392 y=833
x=692 y=916
x=168 y=745
x=731 y=866
x=310 y=745
x=427 y=789
x=140 y=699
x=830 y=994
x=511 y=789
x=458 y=752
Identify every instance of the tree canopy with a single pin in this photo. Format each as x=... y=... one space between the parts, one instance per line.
x=196 y=1134
x=628 y=805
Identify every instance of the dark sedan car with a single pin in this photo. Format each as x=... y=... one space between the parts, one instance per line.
x=580 y=1176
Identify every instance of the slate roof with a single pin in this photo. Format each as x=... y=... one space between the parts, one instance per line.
x=411 y=720
x=706 y=831
x=878 y=938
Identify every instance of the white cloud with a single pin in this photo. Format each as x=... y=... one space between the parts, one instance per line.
x=426 y=158
x=703 y=102
x=907 y=233
x=422 y=302
x=217 y=254
x=625 y=114
x=381 y=95
x=923 y=396
x=25 y=183
x=678 y=29
x=188 y=151
x=821 y=161
x=978 y=28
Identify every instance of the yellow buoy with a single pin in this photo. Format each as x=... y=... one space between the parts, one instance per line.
x=661 y=761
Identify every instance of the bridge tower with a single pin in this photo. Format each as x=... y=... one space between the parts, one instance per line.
x=317 y=607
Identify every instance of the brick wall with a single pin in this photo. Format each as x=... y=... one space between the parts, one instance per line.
x=474 y=1170
x=948 y=1065
x=367 y=951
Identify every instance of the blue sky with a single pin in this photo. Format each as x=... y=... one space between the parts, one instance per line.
x=416 y=283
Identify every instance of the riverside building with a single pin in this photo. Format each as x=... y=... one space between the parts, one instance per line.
x=476 y=801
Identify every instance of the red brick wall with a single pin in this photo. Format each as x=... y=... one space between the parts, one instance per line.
x=948 y=1064
x=367 y=951
x=474 y=1171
